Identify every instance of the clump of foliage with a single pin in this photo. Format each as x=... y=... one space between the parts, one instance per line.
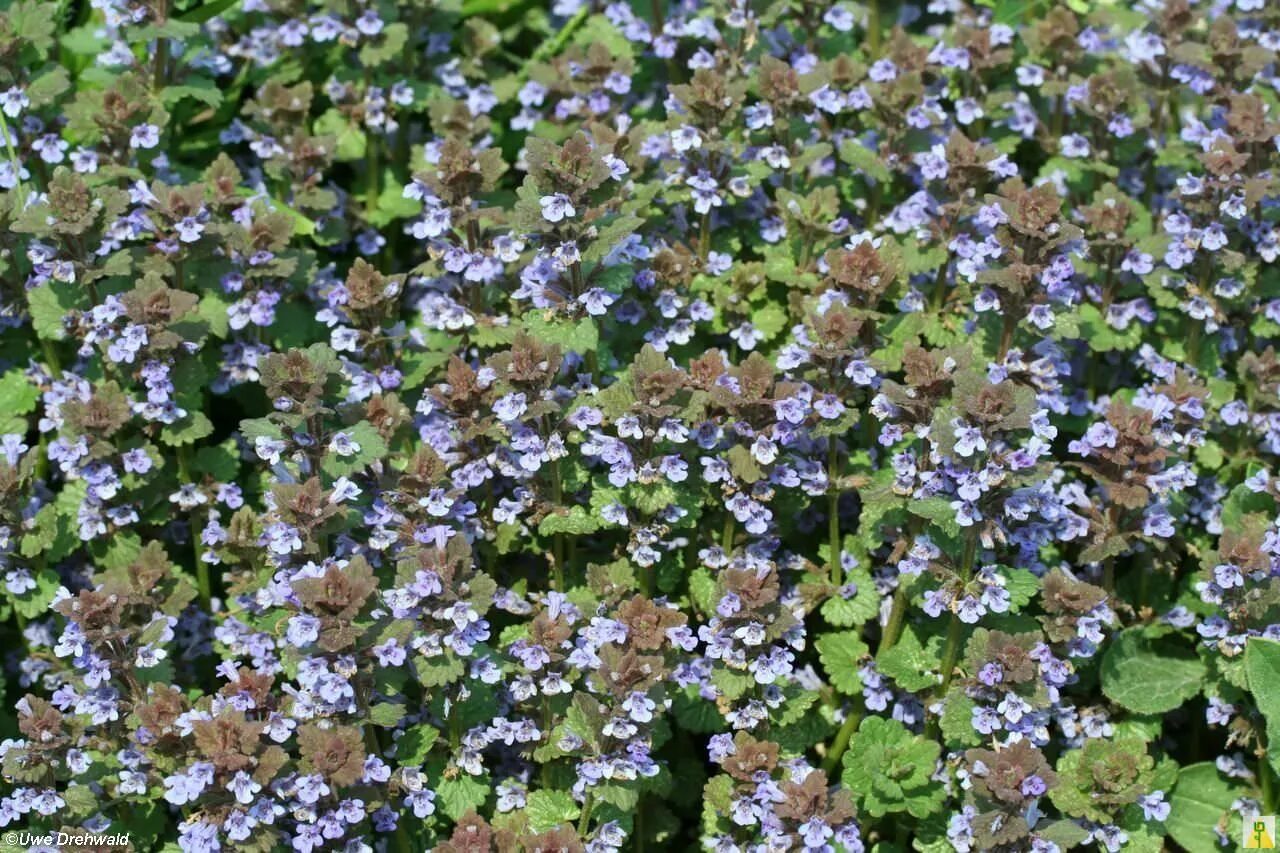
x=463 y=425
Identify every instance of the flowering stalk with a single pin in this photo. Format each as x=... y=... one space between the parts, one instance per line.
x=955 y=626
x=834 y=542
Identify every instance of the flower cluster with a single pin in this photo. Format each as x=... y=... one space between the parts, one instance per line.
x=825 y=426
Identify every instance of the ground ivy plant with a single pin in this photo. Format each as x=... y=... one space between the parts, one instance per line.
x=741 y=425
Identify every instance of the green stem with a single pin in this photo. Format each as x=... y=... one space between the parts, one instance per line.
x=373 y=744
x=51 y=357
x=1157 y=134
x=833 y=512
x=1108 y=281
x=551 y=47
x=557 y=539
x=897 y=616
x=841 y=742
x=1009 y=326
x=160 y=71
x=1193 y=343
x=940 y=285
x=575 y=277
x=873 y=26
x=203 y=582
x=727 y=534
x=638 y=832
x=584 y=822
x=951 y=652
x=403 y=844
x=1266 y=779
x=1059 y=114
x=374 y=188
x=1266 y=775
x=15 y=163
x=955 y=628
x=1145 y=569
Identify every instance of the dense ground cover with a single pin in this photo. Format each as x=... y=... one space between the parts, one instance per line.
x=751 y=426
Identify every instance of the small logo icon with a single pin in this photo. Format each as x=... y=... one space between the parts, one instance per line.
x=1259 y=832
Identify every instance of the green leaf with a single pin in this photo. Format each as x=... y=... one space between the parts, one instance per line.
x=547 y=809
x=49 y=304
x=1102 y=778
x=49 y=535
x=46 y=88
x=797 y=703
x=577 y=521
x=421 y=366
x=371 y=448
x=221 y=463
x=386 y=714
x=1241 y=502
x=801 y=735
x=1013 y=12
x=841 y=652
x=769 y=320
x=1262 y=665
x=389 y=44
x=622 y=796
x=653 y=499
x=1210 y=456
x=81 y=800
x=696 y=714
x=439 y=670
x=732 y=684
x=1064 y=833
x=1021 y=585
x=1101 y=336
x=302 y=226
x=920 y=258
x=912 y=665
x=200 y=89
x=890 y=769
x=717 y=797
x=17 y=395
x=35 y=602
x=1148 y=677
x=579 y=337
x=778 y=263
x=32 y=22
x=957 y=722
x=1201 y=799
x=461 y=794
x=119 y=551
x=743 y=465
x=392 y=204
x=192 y=428
x=414 y=745
x=864 y=606
x=207 y=11
x=702 y=589
x=213 y=310
x=172 y=28
x=939 y=511
x=864 y=160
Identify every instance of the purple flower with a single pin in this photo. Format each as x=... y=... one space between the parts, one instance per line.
x=556 y=207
